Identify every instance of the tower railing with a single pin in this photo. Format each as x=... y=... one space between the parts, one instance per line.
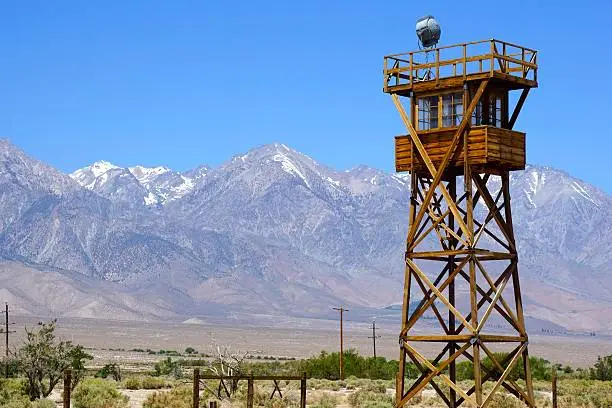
x=481 y=58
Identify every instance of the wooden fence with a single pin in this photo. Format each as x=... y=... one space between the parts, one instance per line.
x=200 y=379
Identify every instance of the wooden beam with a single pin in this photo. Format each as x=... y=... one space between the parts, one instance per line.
x=484 y=192
x=426 y=371
x=499 y=367
x=424 y=374
x=501 y=298
x=422 y=307
x=498 y=293
x=486 y=297
x=438 y=370
x=440 y=296
x=488 y=218
x=419 y=146
x=503 y=377
x=440 y=338
x=434 y=308
x=517 y=108
x=437 y=173
x=435 y=371
x=490 y=373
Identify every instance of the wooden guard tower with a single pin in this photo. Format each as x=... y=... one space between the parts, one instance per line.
x=461 y=257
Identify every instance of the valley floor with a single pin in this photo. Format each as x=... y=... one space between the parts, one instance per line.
x=299 y=338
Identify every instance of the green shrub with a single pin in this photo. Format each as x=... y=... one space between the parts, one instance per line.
x=326 y=400
x=152 y=383
x=503 y=400
x=43 y=358
x=11 y=389
x=323 y=384
x=176 y=398
x=14 y=394
x=144 y=383
x=376 y=386
x=12 y=365
x=540 y=368
x=326 y=365
x=369 y=399
x=585 y=393
x=24 y=402
x=168 y=367
x=97 y=393
x=602 y=369
x=132 y=383
x=111 y=370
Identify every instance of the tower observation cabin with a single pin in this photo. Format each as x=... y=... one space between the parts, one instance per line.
x=442 y=83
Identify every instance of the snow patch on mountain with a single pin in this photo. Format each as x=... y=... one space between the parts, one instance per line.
x=583 y=193
x=289 y=167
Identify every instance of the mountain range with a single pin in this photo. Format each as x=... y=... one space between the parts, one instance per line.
x=269 y=232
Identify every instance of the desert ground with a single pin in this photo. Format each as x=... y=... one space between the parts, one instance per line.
x=111 y=340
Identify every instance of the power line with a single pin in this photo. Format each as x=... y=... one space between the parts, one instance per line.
x=6 y=332
x=374 y=336
x=341 y=310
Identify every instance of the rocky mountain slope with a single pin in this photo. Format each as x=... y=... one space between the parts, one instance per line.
x=273 y=231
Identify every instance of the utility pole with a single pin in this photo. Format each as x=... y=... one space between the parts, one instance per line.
x=374 y=336
x=341 y=310
x=6 y=332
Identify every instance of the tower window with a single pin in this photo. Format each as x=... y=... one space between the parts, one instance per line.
x=428 y=113
x=495 y=110
x=492 y=116
x=477 y=114
x=452 y=109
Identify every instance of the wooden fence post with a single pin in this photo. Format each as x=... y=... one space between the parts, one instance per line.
x=213 y=404
x=196 y=388
x=250 y=392
x=303 y=391
x=67 y=387
x=554 y=388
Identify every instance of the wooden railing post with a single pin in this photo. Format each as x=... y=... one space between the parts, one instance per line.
x=437 y=65
x=554 y=388
x=411 y=68
x=196 y=388
x=67 y=387
x=303 y=391
x=464 y=61
x=385 y=75
x=250 y=392
x=492 y=57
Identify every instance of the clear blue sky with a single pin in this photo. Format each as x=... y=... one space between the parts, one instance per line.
x=183 y=83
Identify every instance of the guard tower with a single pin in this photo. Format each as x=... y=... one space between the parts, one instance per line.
x=462 y=297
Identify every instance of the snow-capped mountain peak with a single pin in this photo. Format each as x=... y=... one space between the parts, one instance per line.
x=138 y=185
x=102 y=166
x=87 y=176
x=147 y=175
